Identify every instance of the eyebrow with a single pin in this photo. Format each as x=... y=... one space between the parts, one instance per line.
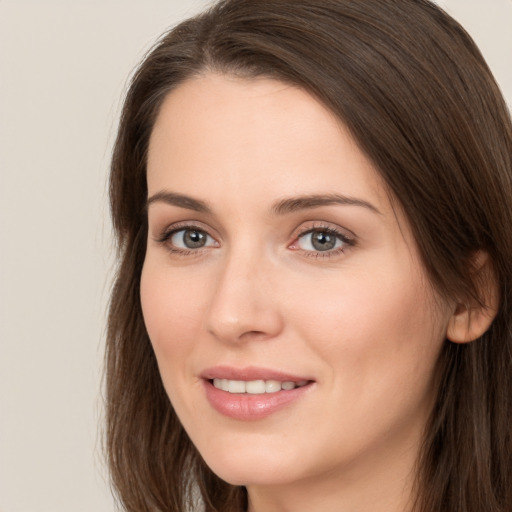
x=180 y=200
x=315 y=201
x=282 y=207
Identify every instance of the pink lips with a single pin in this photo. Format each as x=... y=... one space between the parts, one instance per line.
x=246 y=406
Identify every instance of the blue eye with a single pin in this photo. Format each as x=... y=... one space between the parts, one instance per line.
x=190 y=239
x=321 y=241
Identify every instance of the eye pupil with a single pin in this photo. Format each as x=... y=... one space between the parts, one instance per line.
x=323 y=241
x=194 y=239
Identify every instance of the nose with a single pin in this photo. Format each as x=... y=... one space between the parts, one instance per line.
x=245 y=302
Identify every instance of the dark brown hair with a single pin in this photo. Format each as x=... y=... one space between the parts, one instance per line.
x=417 y=96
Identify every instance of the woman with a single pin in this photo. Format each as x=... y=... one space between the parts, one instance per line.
x=313 y=203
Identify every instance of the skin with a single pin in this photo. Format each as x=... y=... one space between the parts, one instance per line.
x=362 y=321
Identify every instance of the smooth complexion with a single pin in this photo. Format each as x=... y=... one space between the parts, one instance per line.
x=273 y=249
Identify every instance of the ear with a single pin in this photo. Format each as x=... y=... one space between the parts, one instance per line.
x=471 y=319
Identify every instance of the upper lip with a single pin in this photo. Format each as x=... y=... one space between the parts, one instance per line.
x=250 y=373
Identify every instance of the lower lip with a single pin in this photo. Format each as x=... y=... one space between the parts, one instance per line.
x=247 y=407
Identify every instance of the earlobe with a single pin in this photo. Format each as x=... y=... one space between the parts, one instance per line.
x=472 y=319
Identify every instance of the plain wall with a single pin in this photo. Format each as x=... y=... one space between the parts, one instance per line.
x=64 y=66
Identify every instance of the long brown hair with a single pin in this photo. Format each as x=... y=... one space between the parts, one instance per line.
x=417 y=96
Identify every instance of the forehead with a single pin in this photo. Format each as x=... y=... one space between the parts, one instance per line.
x=257 y=135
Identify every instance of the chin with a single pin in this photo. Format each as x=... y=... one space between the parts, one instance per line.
x=250 y=469
x=249 y=476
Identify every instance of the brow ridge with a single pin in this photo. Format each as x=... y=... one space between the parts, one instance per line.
x=180 y=200
x=282 y=207
x=292 y=204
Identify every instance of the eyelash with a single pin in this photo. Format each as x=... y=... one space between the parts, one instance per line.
x=329 y=230
x=346 y=241
x=165 y=237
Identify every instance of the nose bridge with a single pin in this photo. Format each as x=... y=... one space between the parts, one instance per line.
x=241 y=307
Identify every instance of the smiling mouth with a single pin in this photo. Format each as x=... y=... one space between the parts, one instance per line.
x=256 y=387
x=251 y=394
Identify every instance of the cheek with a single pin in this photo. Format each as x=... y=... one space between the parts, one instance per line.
x=372 y=326
x=380 y=339
x=172 y=313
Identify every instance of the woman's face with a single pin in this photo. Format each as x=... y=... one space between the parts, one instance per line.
x=293 y=324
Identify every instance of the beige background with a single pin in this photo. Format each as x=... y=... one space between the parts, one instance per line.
x=63 y=69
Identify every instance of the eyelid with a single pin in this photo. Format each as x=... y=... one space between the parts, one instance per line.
x=347 y=237
x=176 y=244
x=308 y=227
x=165 y=235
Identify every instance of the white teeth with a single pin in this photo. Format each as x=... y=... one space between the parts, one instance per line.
x=256 y=387
x=272 y=386
x=236 y=386
x=221 y=384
